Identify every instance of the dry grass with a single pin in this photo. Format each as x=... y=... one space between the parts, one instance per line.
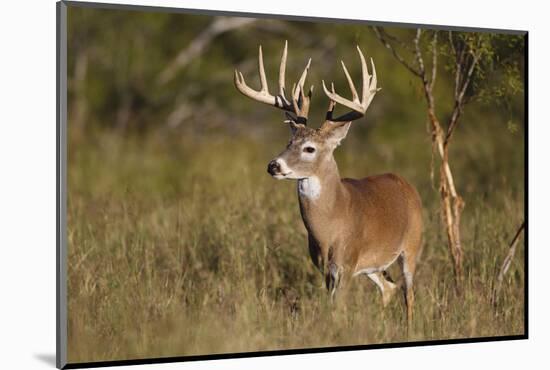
x=186 y=246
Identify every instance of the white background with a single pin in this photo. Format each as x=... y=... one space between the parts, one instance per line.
x=27 y=182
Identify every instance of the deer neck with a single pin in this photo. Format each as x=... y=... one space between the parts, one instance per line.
x=320 y=194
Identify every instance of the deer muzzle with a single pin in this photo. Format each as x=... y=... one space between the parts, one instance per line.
x=278 y=168
x=274 y=168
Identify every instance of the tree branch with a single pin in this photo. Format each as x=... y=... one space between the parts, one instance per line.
x=418 y=55
x=459 y=53
x=387 y=35
x=434 y=60
x=459 y=100
x=196 y=47
x=399 y=58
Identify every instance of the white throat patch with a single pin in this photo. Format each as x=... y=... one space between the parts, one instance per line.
x=310 y=187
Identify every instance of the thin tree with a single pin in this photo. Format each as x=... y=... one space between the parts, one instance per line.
x=464 y=51
x=506 y=264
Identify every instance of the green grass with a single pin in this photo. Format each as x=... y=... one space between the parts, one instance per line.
x=183 y=245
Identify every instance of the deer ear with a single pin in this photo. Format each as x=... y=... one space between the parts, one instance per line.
x=337 y=132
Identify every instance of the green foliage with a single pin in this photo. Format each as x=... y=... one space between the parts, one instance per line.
x=497 y=79
x=127 y=51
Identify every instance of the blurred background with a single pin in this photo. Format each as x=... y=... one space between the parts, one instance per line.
x=179 y=241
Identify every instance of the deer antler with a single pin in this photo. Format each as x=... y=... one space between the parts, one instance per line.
x=358 y=107
x=297 y=108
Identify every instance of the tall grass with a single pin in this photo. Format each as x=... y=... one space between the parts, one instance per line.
x=185 y=246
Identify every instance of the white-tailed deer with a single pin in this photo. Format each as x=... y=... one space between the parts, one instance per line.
x=354 y=226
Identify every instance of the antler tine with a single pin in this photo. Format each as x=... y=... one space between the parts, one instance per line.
x=297 y=108
x=331 y=105
x=372 y=85
x=300 y=96
x=300 y=101
x=345 y=102
x=306 y=100
x=260 y=96
x=261 y=69
x=282 y=72
x=301 y=81
x=365 y=75
x=295 y=104
x=369 y=89
x=355 y=97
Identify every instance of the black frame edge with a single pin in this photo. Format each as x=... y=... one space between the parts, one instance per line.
x=526 y=185
x=222 y=356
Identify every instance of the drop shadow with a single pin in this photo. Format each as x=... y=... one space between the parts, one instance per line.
x=47 y=358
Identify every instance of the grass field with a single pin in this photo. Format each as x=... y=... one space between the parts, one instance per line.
x=183 y=245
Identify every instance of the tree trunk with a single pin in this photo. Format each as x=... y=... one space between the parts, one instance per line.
x=451 y=203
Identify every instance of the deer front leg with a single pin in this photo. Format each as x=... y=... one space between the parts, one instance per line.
x=334 y=270
x=315 y=253
x=332 y=279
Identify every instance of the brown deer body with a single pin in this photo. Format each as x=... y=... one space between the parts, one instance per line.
x=354 y=226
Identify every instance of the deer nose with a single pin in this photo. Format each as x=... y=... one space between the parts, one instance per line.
x=273 y=168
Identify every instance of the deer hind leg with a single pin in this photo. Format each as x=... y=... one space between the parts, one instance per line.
x=387 y=288
x=408 y=266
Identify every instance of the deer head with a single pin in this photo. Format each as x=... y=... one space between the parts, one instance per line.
x=310 y=150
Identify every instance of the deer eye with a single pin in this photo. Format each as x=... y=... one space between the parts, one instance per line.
x=309 y=149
